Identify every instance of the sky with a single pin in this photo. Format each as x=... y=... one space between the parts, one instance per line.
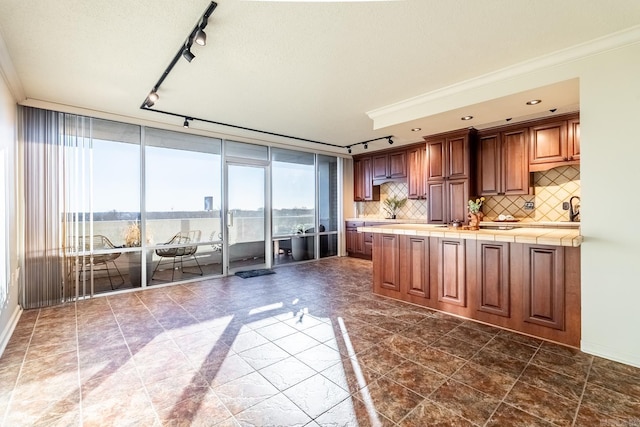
x=179 y=180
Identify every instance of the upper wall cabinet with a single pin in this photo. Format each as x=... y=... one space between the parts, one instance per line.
x=389 y=165
x=363 y=189
x=551 y=145
x=416 y=180
x=449 y=175
x=503 y=162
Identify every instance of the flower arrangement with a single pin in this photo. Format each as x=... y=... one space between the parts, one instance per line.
x=392 y=205
x=474 y=206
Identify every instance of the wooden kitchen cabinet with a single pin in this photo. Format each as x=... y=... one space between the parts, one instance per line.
x=529 y=288
x=574 y=138
x=416 y=180
x=493 y=278
x=415 y=269
x=363 y=188
x=543 y=286
x=503 y=163
x=451 y=261
x=389 y=165
x=386 y=265
x=355 y=240
x=549 y=145
x=449 y=175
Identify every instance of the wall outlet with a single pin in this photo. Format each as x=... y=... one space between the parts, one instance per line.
x=528 y=206
x=566 y=206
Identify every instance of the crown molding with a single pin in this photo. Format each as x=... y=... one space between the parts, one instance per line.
x=8 y=72
x=574 y=53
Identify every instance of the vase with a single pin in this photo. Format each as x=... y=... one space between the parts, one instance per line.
x=474 y=220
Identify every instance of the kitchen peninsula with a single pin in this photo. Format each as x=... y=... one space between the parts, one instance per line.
x=526 y=279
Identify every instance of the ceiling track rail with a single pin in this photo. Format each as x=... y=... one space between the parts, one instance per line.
x=185 y=51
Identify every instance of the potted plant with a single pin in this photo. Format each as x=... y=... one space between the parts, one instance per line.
x=392 y=205
x=133 y=239
x=299 y=244
x=475 y=214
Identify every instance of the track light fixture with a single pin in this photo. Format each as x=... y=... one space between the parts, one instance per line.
x=187 y=54
x=201 y=37
x=198 y=35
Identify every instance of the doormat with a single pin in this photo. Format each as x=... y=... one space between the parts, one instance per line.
x=254 y=273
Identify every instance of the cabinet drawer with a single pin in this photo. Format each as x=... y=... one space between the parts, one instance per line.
x=354 y=224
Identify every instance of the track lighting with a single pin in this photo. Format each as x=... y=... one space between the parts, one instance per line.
x=390 y=140
x=187 y=54
x=153 y=96
x=201 y=37
x=366 y=146
x=186 y=123
x=349 y=149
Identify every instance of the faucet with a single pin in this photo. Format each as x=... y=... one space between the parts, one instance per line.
x=574 y=212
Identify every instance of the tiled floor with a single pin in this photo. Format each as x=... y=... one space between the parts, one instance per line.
x=309 y=345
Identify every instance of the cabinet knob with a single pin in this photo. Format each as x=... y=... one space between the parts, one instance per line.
x=571 y=158
x=565 y=159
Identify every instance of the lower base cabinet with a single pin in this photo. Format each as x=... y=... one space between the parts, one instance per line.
x=533 y=289
x=386 y=265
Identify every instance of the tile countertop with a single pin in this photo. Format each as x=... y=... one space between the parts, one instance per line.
x=389 y=220
x=533 y=235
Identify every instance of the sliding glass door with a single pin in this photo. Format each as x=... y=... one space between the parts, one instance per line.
x=246 y=185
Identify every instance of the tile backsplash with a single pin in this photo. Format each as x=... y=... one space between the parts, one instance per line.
x=551 y=188
x=413 y=209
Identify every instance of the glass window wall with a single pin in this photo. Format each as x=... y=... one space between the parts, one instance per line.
x=183 y=201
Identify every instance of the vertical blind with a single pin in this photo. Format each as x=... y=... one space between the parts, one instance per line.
x=44 y=257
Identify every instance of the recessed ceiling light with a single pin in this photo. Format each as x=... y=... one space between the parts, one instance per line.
x=466 y=118
x=416 y=129
x=534 y=102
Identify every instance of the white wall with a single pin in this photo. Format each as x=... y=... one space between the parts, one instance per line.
x=9 y=310
x=610 y=108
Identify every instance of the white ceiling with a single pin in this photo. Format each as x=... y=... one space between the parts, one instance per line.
x=311 y=70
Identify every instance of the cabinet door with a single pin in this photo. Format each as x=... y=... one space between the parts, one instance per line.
x=574 y=139
x=489 y=156
x=386 y=264
x=414 y=266
x=379 y=166
x=544 y=286
x=452 y=284
x=352 y=237
x=515 y=163
x=436 y=160
x=358 y=180
x=436 y=207
x=457 y=157
x=493 y=278
x=548 y=143
x=397 y=165
x=457 y=197
x=367 y=181
x=415 y=173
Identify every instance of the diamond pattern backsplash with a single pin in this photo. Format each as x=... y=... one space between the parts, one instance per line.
x=413 y=209
x=551 y=188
